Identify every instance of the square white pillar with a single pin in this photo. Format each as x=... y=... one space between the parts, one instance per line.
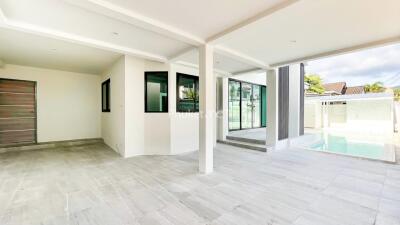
x=223 y=104
x=272 y=107
x=294 y=100
x=207 y=108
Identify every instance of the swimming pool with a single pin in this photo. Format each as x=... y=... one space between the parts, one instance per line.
x=342 y=145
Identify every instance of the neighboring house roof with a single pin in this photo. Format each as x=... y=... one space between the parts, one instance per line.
x=335 y=88
x=354 y=90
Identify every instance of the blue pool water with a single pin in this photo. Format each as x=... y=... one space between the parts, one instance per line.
x=342 y=145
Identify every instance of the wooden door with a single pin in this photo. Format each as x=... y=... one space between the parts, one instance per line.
x=17 y=112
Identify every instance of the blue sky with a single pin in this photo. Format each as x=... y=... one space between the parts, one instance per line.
x=360 y=68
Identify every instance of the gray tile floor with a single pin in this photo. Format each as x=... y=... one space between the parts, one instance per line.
x=93 y=185
x=257 y=134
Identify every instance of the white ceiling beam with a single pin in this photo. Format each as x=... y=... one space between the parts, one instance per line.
x=250 y=71
x=111 y=10
x=77 y=39
x=178 y=55
x=195 y=66
x=240 y=57
x=261 y=15
x=342 y=51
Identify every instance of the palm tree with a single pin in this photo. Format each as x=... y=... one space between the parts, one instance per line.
x=374 y=88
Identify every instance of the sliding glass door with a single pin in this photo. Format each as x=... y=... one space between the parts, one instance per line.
x=247 y=105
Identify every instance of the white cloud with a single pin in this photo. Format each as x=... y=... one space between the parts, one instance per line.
x=359 y=68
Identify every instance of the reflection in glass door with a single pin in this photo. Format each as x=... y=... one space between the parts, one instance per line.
x=247 y=106
x=256 y=105
x=234 y=105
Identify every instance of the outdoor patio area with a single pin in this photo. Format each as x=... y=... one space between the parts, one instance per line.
x=93 y=185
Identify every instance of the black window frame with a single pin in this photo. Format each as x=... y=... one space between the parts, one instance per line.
x=164 y=73
x=106 y=84
x=196 y=87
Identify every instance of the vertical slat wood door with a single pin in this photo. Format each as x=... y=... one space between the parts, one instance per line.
x=17 y=112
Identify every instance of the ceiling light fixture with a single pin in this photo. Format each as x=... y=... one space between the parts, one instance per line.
x=115 y=33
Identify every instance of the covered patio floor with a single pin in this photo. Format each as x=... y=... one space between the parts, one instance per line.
x=259 y=134
x=93 y=185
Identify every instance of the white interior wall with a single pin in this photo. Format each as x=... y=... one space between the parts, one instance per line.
x=127 y=128
x=112 y=123
x=69 y=107
x=157 y=135
x=141 y=133
x=68 y=104
x=184 y=126
x=134 y=107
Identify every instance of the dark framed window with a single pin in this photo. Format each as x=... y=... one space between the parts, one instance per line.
x=105 y=96
x=187 y=93
x=156 y=92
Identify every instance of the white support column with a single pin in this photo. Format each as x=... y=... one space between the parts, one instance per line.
x=223 y=104
x=294 y=100
x=272 y=107
x=207 y=108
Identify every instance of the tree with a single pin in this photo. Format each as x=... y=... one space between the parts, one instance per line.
x=374 y=88
x=314 y=83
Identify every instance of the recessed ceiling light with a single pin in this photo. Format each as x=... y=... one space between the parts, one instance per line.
x=115 y=33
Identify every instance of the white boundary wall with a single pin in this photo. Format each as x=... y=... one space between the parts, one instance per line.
x=368 y=114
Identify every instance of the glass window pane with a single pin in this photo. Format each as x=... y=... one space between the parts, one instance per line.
x=105 y=96
x=263 y=106
x=234 y=105
x=247 y=106
x=156 y=91
x=256 y=104
x=187 y=93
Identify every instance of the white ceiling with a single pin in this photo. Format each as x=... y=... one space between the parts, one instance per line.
x=221 y=62
x=32 y=50
x=62 y=17
x=312 y=27
x=202 y=18
x=246 y=33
